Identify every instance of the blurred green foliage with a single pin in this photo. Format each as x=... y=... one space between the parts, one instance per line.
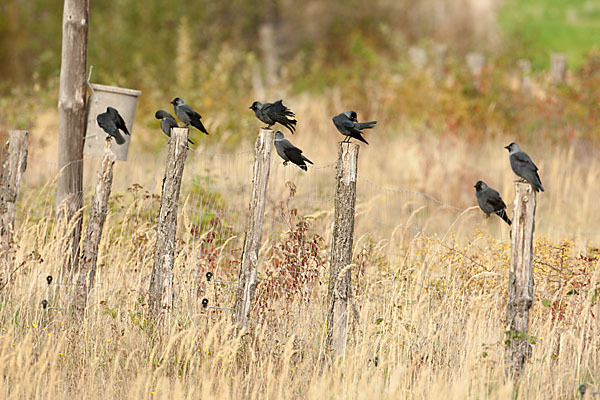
x=212 y=54
x=537 y=28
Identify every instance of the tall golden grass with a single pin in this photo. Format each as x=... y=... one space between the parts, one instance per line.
x=429 y=299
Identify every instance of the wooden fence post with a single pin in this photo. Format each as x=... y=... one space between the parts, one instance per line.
x=161 y=283
x=476 y=64
x=72 y=123
x=520 y=280
x=341 y=248
x=558 y=68
x=249 y=265
x=418 y=58
x=440 y=52
x=525 y=69
x=15 y=163
x=89 y=249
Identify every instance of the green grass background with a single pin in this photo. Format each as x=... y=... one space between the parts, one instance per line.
x=541 y=27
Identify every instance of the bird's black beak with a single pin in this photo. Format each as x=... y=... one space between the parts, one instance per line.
x=507 y=147
x=250 y=107
x=475 y=185
x=173 y=102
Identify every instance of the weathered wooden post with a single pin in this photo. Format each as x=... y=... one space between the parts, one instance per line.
x=418 y=58
x=558 y=68
x=525 y=68
x=341 y=248
x=476 y=64
x=72 y=121
x=520 y=280
x=14 y=165
x=161 y=284
x=440 y=53
x=89 y=250
x=249 y=265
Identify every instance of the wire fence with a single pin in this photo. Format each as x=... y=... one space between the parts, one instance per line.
x=213 y=212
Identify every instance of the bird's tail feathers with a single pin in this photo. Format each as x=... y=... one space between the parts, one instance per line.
x=196 y=123
x=502 y=214
x=361 y=138
x=307 y=160
x=539 y=182
x=291 y=125
x=119 y=138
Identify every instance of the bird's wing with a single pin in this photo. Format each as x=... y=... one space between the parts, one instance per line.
x=190 y=111
x=348 y=125
x=365 y=125
x=105 y=122
x=352 y=128
x=171 y=120
x=287 y=145
x=306 y=159
x=278 y=108
x=295 y=155
x=121 y=123
x=523 y=160
x=494 y=200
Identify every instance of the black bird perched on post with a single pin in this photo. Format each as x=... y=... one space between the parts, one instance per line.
x=347 y=124
x=167 y=122
x=522 y=165
x=187 y=115
x=272 y=113
x=111 y=121
x=490 y=201
x=289 y=152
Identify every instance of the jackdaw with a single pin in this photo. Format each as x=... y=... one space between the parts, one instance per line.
x=522 y=165
x=272 y=113
x=289 y=152
x=347 y=124
x=187 y=115
x=167 y=122
x=490 y=201
x=111 y=121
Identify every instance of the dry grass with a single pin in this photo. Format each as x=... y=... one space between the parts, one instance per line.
x=430 y=305
x=432 y=316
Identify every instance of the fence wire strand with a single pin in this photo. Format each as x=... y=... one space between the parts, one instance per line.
x=213 y=212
